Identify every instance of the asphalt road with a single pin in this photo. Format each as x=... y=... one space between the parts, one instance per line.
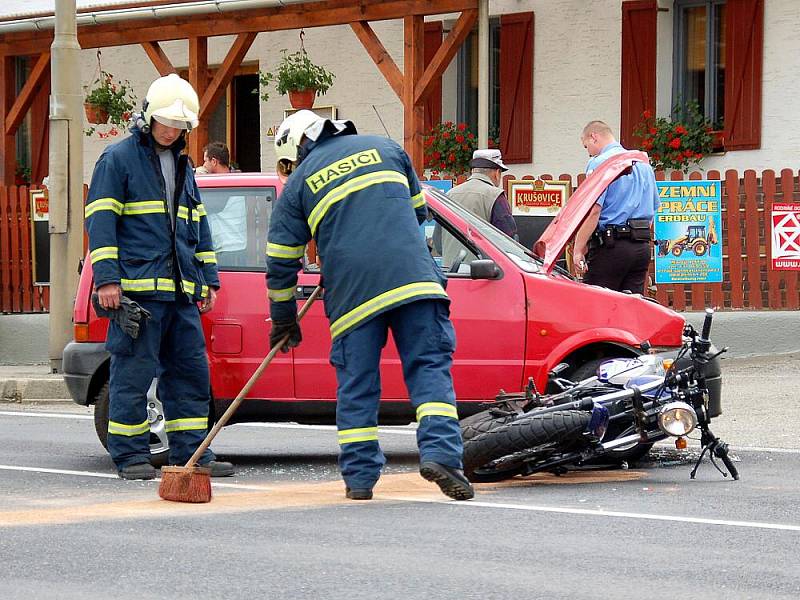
x=282 y=529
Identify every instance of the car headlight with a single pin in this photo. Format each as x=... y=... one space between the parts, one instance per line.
x=677 y=418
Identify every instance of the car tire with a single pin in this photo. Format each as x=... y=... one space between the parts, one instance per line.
x=159 y=447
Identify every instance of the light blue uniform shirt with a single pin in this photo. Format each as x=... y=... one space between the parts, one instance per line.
x=630 y=196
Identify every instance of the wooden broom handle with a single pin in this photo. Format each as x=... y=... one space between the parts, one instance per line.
x=223 y=420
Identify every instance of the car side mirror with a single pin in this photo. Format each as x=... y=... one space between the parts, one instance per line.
x=483 y=269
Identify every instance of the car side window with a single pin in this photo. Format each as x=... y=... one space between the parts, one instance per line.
x=239 y=220
x=450 y=251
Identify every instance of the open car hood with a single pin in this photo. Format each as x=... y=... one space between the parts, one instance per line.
x=565 y=225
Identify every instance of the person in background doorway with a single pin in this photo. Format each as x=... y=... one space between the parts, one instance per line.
x=216 y=159
x=612 y=246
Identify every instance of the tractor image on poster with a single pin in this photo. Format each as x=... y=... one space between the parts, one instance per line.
x=695 y=240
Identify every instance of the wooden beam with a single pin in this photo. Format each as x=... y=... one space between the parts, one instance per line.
x=445 y=54
x=225 y=73
x=40 y=71
x=198 y=77
x=8 y=145
x=413 y=111
x=379 y=55
x=160 y=60
x=292 y=16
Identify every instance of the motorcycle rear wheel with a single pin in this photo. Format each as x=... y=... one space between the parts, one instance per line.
x=484 y=421
x=515 y=447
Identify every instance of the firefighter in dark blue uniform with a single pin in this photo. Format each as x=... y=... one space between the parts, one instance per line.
x=357 y=196
x=149 y=239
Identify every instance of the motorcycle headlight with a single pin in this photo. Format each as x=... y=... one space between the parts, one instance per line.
x=677 y=418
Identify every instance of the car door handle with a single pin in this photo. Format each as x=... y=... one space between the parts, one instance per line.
x=304 y=291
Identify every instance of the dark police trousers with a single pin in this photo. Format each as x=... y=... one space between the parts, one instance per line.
x=425 y=341
x=621 y=266
x=171 y=347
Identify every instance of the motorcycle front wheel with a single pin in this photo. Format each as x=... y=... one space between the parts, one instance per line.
x=517 y=446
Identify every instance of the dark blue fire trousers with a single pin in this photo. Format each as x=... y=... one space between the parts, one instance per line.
x=171 y=347
x=425 y=340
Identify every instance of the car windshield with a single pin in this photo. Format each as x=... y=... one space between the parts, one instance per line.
x=239 y=220
x=514 y=250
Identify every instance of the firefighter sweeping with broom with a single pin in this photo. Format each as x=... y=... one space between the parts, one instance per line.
x=358 y=197
x=150 y=243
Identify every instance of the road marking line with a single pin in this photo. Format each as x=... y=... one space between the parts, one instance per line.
x=238 y=486
x=397 y=430
x=605 y=513
x=11 y=413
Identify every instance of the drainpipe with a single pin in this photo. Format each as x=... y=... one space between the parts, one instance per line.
x=483 y=73
x=65 y=182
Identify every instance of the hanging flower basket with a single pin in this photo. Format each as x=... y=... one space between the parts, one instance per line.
x=95 y=114
x=298 y=77
x=302 y=98
x=108 y=100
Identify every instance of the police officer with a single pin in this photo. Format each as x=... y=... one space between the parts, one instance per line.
x=612 y=246
x=149 y=240
x=359 y=198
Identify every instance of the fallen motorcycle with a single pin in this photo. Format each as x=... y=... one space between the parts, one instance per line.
x=641 y=400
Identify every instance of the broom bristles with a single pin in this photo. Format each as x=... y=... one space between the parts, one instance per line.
x=185 y=484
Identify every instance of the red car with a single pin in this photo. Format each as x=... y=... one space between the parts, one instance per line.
x=516 y=315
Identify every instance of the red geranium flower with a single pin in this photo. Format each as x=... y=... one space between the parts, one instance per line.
x=675 y=143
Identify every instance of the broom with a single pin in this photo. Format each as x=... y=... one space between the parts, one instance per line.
x=192 y=483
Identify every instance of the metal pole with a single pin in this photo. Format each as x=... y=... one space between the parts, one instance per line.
x=65 y=188
x=483 y=73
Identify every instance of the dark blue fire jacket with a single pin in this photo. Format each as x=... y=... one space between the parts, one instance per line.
x=131 y=238
x=359 y=198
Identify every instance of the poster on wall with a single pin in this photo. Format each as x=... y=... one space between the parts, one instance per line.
x=688 y=232
x=786 y=236
x=40 y=236
x=534 y=203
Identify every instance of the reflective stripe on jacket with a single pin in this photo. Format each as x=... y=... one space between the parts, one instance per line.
x=359 y=198
x=131 y=240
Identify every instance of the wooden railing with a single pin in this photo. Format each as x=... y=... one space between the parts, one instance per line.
x=748 y=281
x=17 y=292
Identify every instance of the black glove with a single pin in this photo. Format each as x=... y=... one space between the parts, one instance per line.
x=281 y=329
x=130 y=316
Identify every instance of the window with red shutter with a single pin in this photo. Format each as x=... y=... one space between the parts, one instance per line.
x=638 y=80
x=516 y=87
x=433 y=104
x=744 y=54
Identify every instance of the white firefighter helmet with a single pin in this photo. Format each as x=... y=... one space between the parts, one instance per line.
x=173 y=102
x=290 y=134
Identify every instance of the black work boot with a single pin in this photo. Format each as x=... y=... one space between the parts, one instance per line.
x=220 y=468
x=138 y=471
x=451 y=481
x=358 y=493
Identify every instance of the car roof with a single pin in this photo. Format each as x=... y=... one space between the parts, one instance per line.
x=237 y=179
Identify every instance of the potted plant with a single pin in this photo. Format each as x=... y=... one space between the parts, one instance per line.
x=678 y=142
x=298 y=77
x=108 y=100
x=448 y=149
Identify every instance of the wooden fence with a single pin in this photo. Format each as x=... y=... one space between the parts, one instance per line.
x=748 y=281
x=17 y=292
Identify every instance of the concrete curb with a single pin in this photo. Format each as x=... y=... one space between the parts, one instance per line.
x=19 y=389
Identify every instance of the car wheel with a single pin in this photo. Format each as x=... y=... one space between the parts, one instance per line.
x=159 y=446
